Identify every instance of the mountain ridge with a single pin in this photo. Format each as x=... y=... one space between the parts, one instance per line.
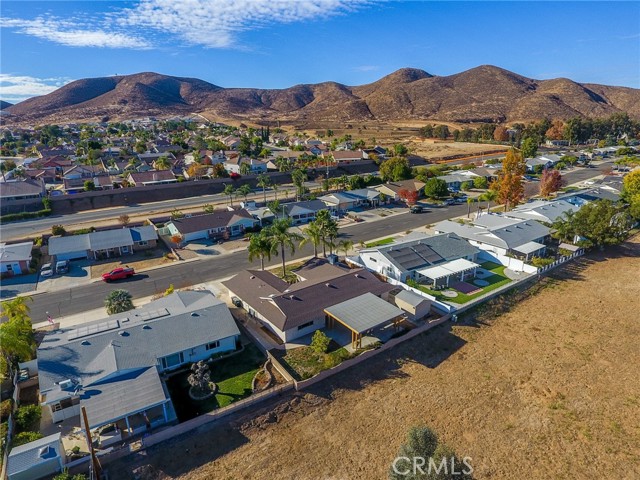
x=482 y=94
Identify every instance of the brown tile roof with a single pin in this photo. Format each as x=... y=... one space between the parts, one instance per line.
x=217 y=219
x=304 y=300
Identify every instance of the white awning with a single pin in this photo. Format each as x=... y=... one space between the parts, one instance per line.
x=529 y=247
x=451 y=268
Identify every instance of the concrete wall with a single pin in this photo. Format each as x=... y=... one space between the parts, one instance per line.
x=509 y=262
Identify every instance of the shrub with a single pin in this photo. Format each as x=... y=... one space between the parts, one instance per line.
x=169 y=290
x=27 y=417
x=12 y=217
x=65 y=475
x=58 y=230
x=26 y=437
x=5 y=409
x=320 y=342
x=541 y=262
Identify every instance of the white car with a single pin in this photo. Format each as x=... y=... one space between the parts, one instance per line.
x=46 y=270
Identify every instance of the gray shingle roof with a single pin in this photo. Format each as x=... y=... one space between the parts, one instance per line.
x=15 y=252
x=510 y=236
x=32 y=454
x=297 y=208
x=101 y=240
x=217 y=219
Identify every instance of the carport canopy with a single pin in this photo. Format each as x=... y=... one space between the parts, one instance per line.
x=363 y=313
x=451 y=268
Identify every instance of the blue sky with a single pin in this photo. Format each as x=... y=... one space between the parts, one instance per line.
x=277 y=44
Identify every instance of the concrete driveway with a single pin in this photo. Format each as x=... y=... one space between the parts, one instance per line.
x=12 y=287
x=79 y=274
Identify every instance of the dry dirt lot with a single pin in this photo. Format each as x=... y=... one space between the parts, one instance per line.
x=548 y=390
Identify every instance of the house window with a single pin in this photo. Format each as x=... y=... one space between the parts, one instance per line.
x=143 y=243
x=172 y=360
x=305 y=325
x=9 y=268
x=124 y=249
x=213 y=345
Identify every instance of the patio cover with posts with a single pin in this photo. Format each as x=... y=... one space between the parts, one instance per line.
x=363 y=313
x=459 y=266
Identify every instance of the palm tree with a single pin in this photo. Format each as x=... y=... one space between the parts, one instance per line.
x=329 y=229
x=488 y=196
x=244 y=190
x=263 y=182
x=118 y=301
x=245 y=168
x=298 y=177
x=345 y=246
x=280 y=236
x=275 y=191
x=260 y=246
x=228 y=190
x=470 y=200
x=313 y=235
x=162 y=163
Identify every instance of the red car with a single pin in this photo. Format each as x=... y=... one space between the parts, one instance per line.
x=234 y=176
x=118 y=274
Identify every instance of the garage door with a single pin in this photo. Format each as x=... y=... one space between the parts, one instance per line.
x=72 y=255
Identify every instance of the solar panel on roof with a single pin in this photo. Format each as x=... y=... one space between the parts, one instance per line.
x=93 y=329
x=153 y=314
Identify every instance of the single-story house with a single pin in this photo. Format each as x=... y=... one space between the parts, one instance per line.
x=303 y=212
x=294 y=310
x=104 y=243
x=264 y=215
x=542 y=210
x=15 y=258
x=221 y=225
x=38 y=459
x=83 y=171
x=154 y=177
x=340 y=202
x=113 y=366
x=537 y=163
x=234 y=165
x=149 y=157
x=409 y=258
x=19 y=196
x=347 y=156
x=455 y=180
x=501 y=235
x=392 y=189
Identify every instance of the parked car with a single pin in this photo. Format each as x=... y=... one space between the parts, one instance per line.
x=62 y=266
x=118 y=274
x=416 y=209
x=46 y=270
x=450 y=201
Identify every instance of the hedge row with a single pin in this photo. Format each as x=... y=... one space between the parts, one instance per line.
x=12 y=217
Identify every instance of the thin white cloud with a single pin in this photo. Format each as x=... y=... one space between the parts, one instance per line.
x=16 y=88
x=209 y=23
x=366 y=68
x=72 y=34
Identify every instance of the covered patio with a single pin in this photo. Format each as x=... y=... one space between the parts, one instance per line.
x=441 y=274
x=363 y=314
x=530 y=249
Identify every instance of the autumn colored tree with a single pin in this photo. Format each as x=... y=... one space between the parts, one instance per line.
x=500 y=134
x=551 y=181
x=556 y=131
x=509 y=185
x=409 y=196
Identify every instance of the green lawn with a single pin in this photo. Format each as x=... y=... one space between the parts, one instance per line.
x=379 y=243
x=233 y=376
x=497 y=280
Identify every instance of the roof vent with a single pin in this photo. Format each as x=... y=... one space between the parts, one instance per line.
x=146 y=327
x=85 y=342
x=252 y=277
x=46 y=452
x=123 y=333
x=195 y=314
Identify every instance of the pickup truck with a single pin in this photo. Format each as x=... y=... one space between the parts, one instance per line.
x=118 y=274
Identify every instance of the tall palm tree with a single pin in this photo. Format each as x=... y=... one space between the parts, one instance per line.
x=281 y=237
x=228 y=190
x=260 y=246
x=329 y=229
x=470 y=200
x=488 y=196
x=298 y=177
x=263 y=182
x=313 y=235
x=244 y=190
x=345 y=246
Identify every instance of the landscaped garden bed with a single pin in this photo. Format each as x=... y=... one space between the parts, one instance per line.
x=232 y=375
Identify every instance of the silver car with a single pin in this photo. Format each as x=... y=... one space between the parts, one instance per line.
x=46 y=270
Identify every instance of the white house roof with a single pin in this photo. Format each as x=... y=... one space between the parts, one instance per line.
x=411 y=298
x=451 y=268
x=32 y=454
x=101 y=240
x=529 y=247
x=545 y=211
x=16 y=252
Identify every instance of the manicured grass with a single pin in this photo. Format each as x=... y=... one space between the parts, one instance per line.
x=233 y=376
x=379 y=243
x=497 y=280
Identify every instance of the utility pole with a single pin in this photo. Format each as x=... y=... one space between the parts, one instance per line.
x=95 y=472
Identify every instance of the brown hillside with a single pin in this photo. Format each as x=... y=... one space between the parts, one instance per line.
x=485 y=93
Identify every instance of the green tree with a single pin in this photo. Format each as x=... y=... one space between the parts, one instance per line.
x=631 y=185
x=118 y=301
x=16 y=334
x=263 y=182
x=229 y=190
x=27 y=417
x=436 y=188
x=298 y=177
x=58 y=230
x=162 y=163
x=245 y=168
x=529 y=147
x=488 y=196
x=89 y=186
x=280 y=236
x=244 y=190
x=400 y=150
x=329 y=228
x=344 y=246
x=261 y=246
x=25 y=437
x=313 y=234
x=395 y=169
x=320 y=342
x=480 y=183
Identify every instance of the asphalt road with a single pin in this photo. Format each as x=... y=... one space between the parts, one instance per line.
x=91 y=296
x=36 y=227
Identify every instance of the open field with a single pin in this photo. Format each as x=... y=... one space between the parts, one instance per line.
x=547 y=390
